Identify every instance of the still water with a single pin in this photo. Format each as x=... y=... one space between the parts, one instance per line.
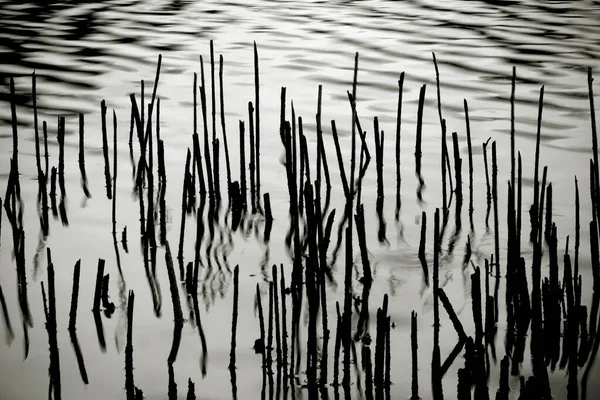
x=85 y=52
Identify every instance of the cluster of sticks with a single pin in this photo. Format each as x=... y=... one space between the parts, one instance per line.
x=551 y=309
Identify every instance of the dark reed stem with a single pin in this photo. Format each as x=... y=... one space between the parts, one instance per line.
x=51 y=326
x=338 y=345
x=114 y=196
x=577 y=235
x=340 y=160
x=476 y=304
x=362 y=243
x=352 y=151
x=487 y=182
x=61 y=155
x=184 y=203
x=418 y=153
x=74 y=296
x=207 y=159
x=414 y=356
x=191 y=393
x=269 y=346
x=177 y=312
x=151 y=105
x=35 y=126
x=9 y=328
x=398 y=141
x=470 y=150
x=495 y=198
x=223 y=130
x=163 y=188
x=504 y=389
x=217 y=184
x=172 y=388
x=129 y=385
x=276 y=294
x=14 y=123
x=536 y=189
x=594 y=136
x=243 y=187
x=261 y=342
x=268 y=217
x=98 y=290
x=84 y=180
x=379 y=142
x=452 y=314
x=252 y=165
x=105 y=151
x=346 y=335
x=46 y=153
x=436 y=375
x=519 y=199
x=443 y=157
x=283 y=323
x=257 y=125
x=457 y=168
x=512 y=126
x=422 y=244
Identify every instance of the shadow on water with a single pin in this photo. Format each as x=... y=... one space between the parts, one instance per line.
x=362 y=358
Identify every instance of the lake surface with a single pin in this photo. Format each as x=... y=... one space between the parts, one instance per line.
x=83 y=53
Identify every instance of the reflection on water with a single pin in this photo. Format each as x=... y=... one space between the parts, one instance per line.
x=83 y=53
x=77 y=48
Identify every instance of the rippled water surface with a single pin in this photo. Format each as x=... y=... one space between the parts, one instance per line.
x=85 y=52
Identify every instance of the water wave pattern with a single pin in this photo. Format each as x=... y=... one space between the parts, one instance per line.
x=87 y=51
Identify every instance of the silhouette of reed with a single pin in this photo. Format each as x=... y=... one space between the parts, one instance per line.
x=414 y=356
x=533 y=211
x=234 y=318
x=207 y=156
x=130 y=388
x=107 y=179
x=470 y=151
x=418 y=153
x=257 y=125
x=84 y=179
x=177 y=312
x=398 y=143
x=215 y=142
x=36 y=129
x=564 y=331
x=51 y=327
x=10 y=334
x=73 y=322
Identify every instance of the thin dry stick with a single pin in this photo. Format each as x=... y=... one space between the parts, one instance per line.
x=470 y=149
x=234 y=318
x=214 y=128
x=418 y=141
x=105 y=151
x=74 y=296
x=252 y=165
x=512 y=127
x=536 y=189
x=495 y=198
x=84 y=180
x=129 y=385
x=414 y=351
x=398 y=140
x=114 y=196
x=223 y=130
x=257 y=126
x=35 y=125
x=594 y=137
x=209 y=172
